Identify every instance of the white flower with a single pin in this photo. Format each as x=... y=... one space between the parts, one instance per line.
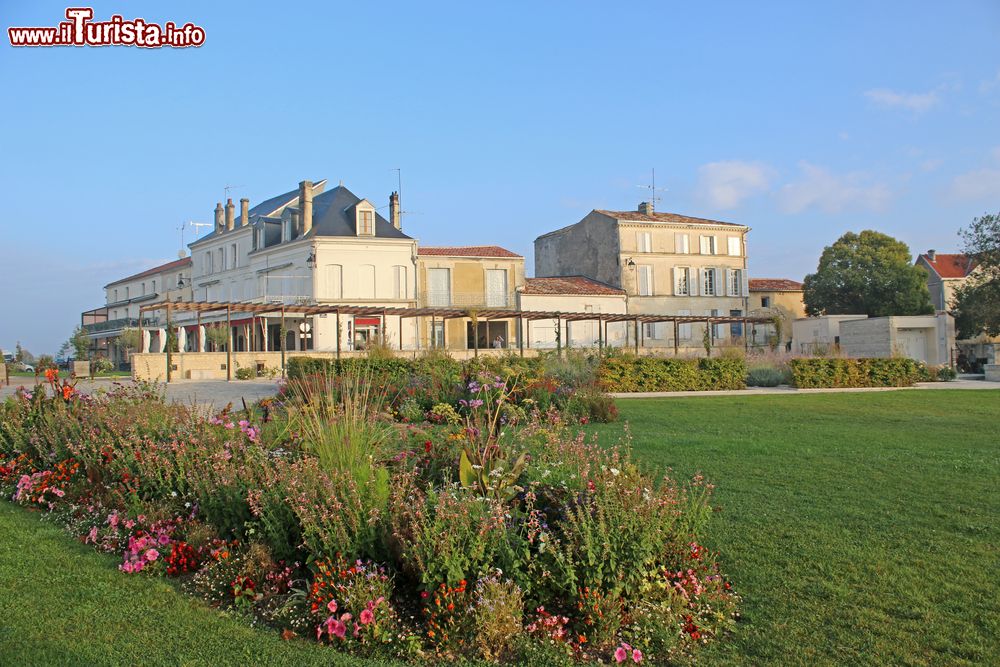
x=615 y=471
x=173 y=494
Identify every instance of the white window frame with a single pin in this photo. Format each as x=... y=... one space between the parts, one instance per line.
x=647 y=271
x=709 y=241
x=361 y=214
x=681 y=243
x=735 y=246
x=682 y=281
x=644 y=241
x=708 y=282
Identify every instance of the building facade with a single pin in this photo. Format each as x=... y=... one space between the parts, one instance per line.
x=945 y=272
x=665 y=263
x=779 y=298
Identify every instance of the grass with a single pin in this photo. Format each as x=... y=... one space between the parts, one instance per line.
x=65 y=604
x=860 y=528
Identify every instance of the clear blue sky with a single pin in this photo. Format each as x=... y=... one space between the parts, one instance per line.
x=801 y=119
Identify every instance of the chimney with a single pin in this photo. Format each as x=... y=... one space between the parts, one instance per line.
x=244 y=212
x=230 y=214
x=646 y=208
x=394 y=213
x=306 y=205
x=931 y=255
x=218 y=217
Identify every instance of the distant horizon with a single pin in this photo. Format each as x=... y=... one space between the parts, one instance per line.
x=800 y=121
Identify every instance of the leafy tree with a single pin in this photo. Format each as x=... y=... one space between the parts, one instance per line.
x=867 y=274
x=217 y=336
x=80 y=343
x=130 y=339
x=976 y=305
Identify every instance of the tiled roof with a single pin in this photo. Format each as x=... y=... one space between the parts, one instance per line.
x=774 y=285
x=635 y=216
x=467 y=251
x=182 y=263
x=950 y=266
x=558 y=285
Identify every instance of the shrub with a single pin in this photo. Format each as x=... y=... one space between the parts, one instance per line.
x=946 y=374
x=766 y=377
x=631 y=374
x=245 y=373
x=810 y=373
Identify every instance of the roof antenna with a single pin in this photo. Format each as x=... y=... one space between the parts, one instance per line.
x=182 y=253
x=230 y=187
x=653 y=197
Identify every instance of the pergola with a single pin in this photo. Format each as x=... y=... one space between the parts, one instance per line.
x=441 y=313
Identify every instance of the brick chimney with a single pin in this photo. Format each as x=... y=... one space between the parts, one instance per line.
x=306 y=205
x=244 y=212
x=218 y=217
x=230 y=215
x=394 y=213
x=932 y=255
x=646 y=208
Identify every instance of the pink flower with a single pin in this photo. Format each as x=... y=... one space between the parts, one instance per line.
x=620 y=654
x=636 y=656
x=152 y=554
x=367 y=616
x=339 y=629
x=91 y=536
x=163 y=540
x=332 y=606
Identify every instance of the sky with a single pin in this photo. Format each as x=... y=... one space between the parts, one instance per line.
x=803 y=120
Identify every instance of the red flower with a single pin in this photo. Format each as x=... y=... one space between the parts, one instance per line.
x=427 y=446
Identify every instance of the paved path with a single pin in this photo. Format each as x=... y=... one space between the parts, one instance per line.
x=785 y=390
x=213 y=394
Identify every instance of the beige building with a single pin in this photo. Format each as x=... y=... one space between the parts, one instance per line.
x=473 y=277
x=944 y=274
x=572 y=294
x=666 y=263
x=927 y=338
x=775 y=297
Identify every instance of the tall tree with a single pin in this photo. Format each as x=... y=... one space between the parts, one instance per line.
x=976 y=304
x=867 y=274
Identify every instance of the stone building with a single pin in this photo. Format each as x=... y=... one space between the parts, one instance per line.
x=775 y=297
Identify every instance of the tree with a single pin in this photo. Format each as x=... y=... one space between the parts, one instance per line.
x=976 y=305
x=80 y=342
x=217 y=336
x=867 y=274
x=130 y=340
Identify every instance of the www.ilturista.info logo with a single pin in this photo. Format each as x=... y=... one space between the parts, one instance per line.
x=79 y=30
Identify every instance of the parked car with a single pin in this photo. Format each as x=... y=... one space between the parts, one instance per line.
x=23 y=367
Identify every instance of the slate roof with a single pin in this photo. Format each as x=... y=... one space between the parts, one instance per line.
x=467 y=251
x=559 y=285
x=333 y=215
x=182 y=263
x=950 y=266
x=635 y=216
x=774 y=285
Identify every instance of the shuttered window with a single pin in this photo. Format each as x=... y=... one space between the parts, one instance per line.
x=681 y=244
x=707 y=245
x=682 y=281
x=644 y=241
x=496 y=288
x=734 y=246
x=439 y=287
x=645 y=280
x=399 y=282
x=334 y=281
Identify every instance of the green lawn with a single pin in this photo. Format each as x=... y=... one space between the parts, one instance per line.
x=62 y=603
x=860 y=528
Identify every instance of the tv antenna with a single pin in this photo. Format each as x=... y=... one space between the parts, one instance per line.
x=231 y=187
x=183 y=227
x=653 y=197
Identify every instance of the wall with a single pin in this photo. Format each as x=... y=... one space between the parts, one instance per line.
x=927 y=338
x=588 y=248
x=812 y=333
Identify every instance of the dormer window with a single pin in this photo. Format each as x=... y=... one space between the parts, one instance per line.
x=366 y=223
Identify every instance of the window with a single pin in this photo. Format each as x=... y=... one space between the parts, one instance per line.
x=438 y=287
x=366 y=281
x=684 y=330
x=437 y=333
x=682 y=281
x=765 y=302
x=496 y=288
x=232 y=256
x=334 y=281
x=734 y=246
x=645 y=276
x=366 y=223
x=708 y=282
x=681 y=244
x=715 y=327
x=734 y=281
x=126 y=292
x=144 y=289
x=707 y=245
x=116 y=295
x=644 y=242
x=154 y=287
x=399 y=282
x=222 y=259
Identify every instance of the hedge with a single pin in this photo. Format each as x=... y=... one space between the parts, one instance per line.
x=813 y=373
x=631 y=374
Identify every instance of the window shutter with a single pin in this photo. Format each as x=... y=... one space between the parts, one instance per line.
x=746 y=284
x=720 y=288
x=677 y=285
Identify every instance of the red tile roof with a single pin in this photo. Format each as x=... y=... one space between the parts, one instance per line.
x=950 y=266
x=467 y=251
x=182 y=263
x=558 y=285
x=635 y=216
x=774 y=285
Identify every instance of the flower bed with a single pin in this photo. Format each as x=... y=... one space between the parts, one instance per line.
x=482 y=536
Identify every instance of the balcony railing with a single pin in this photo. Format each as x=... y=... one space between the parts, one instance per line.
x=446 y=299
x=120 y=323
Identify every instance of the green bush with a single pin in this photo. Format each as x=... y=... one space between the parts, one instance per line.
x=245 y=373
x=630 y=374
x=813 y=373
x=946 y=374
x=767 y=376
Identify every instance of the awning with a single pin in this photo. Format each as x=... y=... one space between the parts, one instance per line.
x=367 y=321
